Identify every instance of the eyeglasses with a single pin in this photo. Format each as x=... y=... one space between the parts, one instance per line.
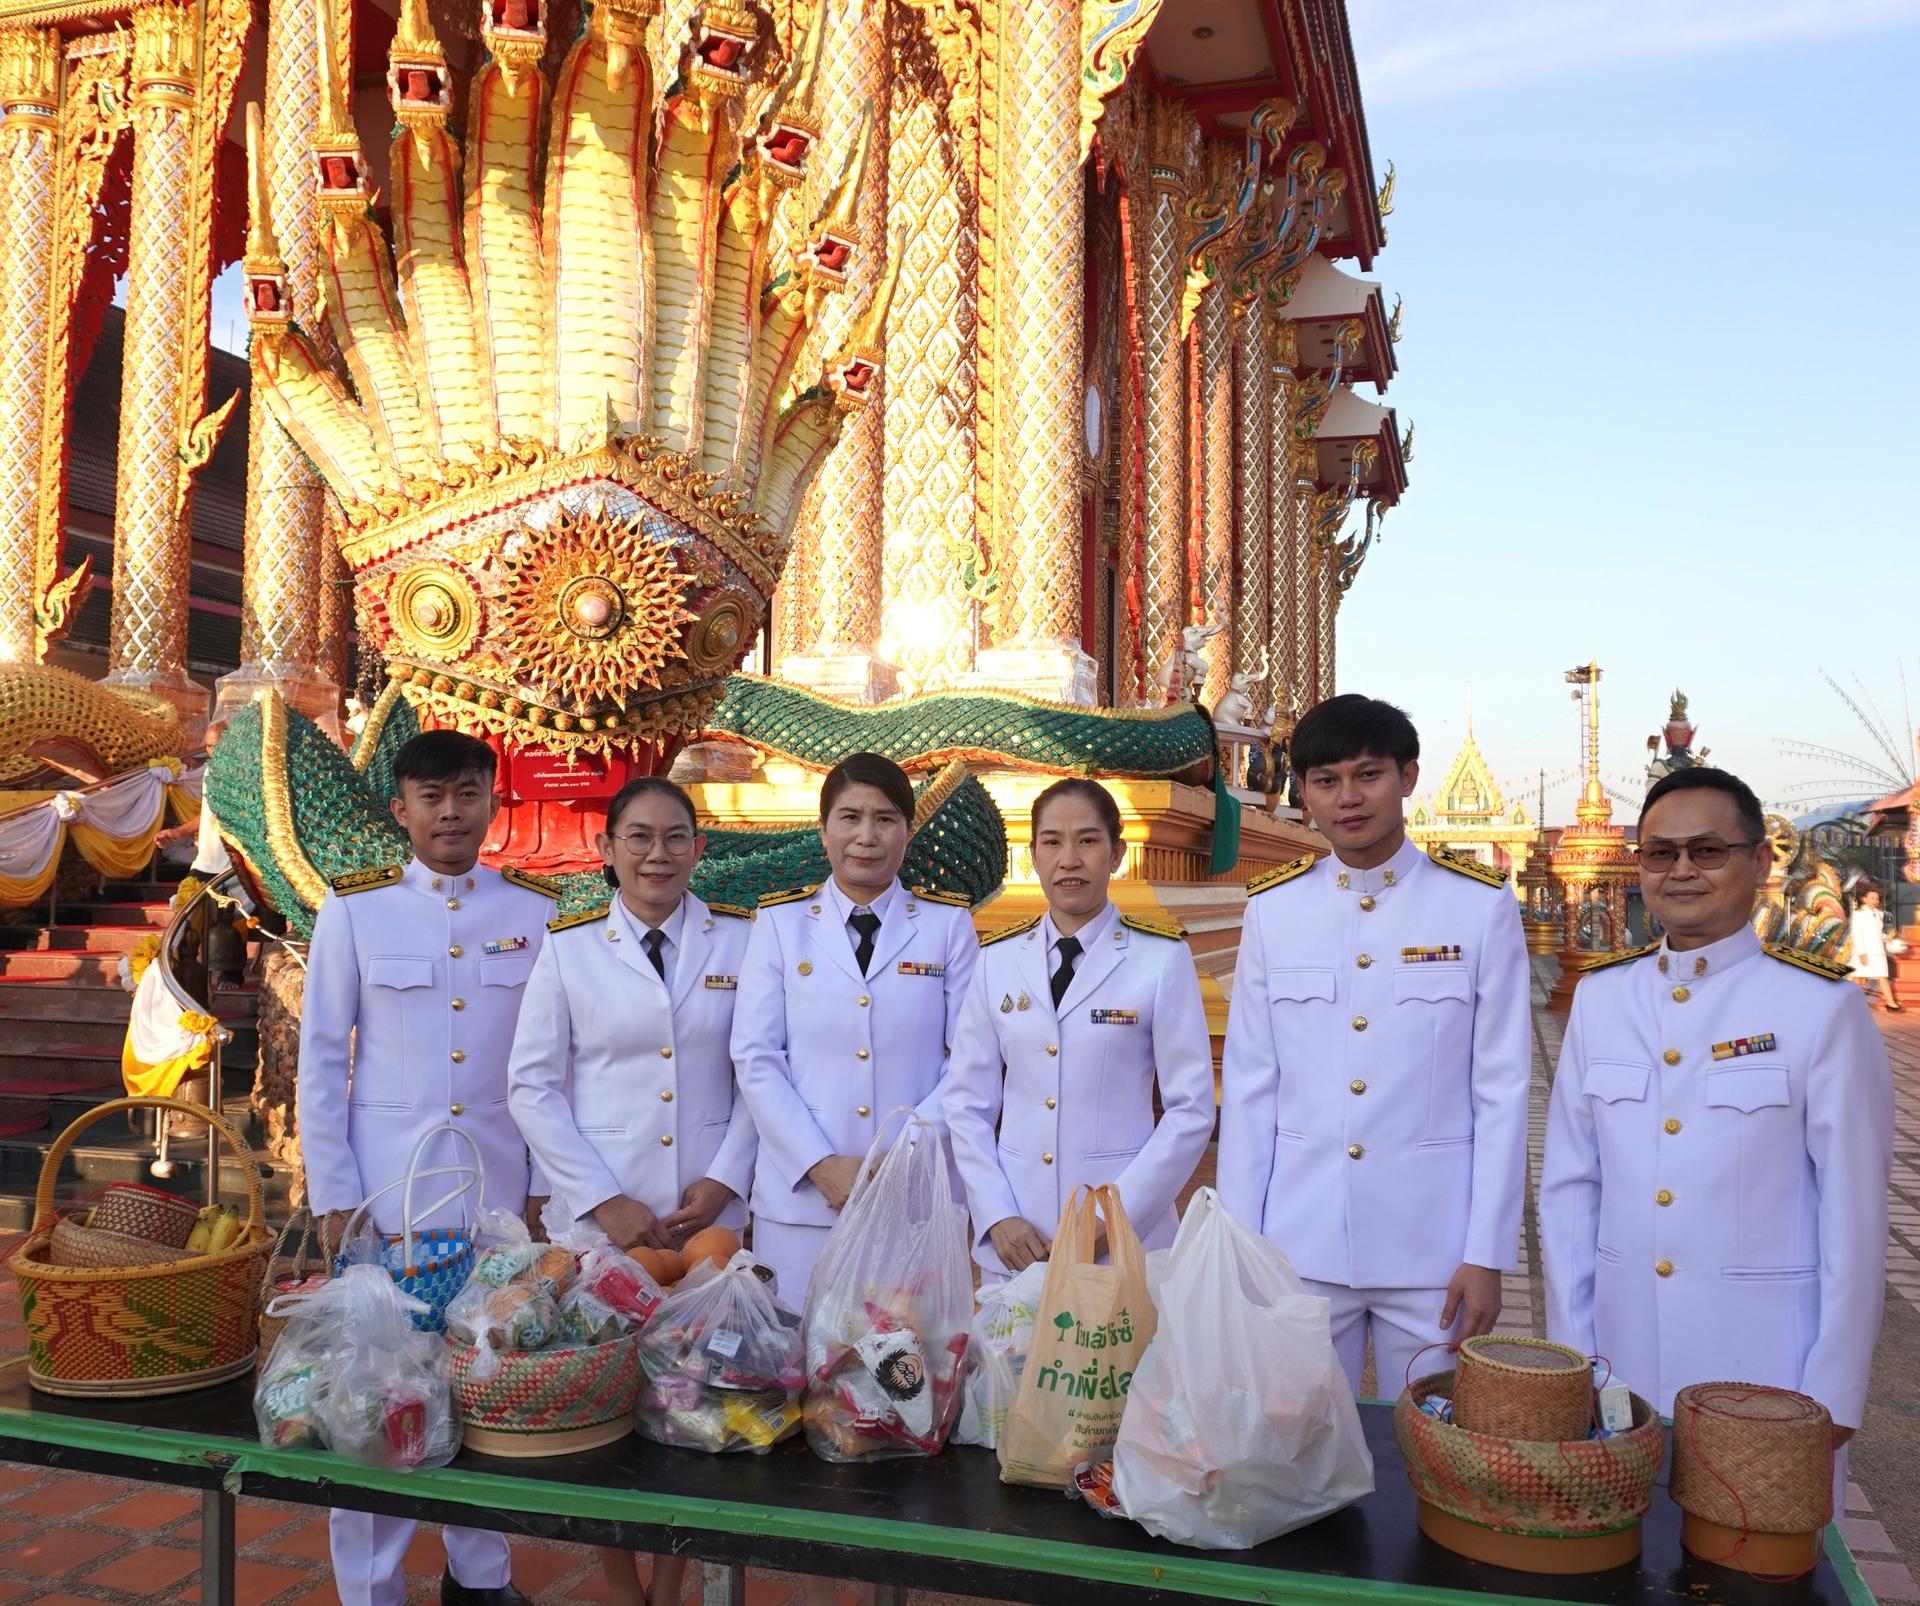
x=1703 y=852
x=641 y=843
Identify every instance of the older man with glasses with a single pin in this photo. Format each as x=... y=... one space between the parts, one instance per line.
x=1713 y=1199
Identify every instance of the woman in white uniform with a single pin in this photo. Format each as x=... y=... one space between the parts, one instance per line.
x=849 y=995
x=1072 y=1019
x=621 y=1079
x=1869 y=955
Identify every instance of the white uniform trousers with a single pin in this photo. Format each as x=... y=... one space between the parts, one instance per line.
x=788 y=1250
x=368 y=1551
x=1402 y=1321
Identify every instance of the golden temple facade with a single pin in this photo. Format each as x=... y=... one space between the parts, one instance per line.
x=1122 y=362
x=1468 y=814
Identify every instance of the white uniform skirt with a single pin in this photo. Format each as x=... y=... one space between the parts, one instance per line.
x=789 y=1250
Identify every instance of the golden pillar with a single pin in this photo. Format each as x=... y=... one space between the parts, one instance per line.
x=831 y=621
x=29 y=148
x=152 y=536
x=1253 y=511
x=1215 y=334
x=1040 y=434
x=1175 y=152
x=1326 y=604
x=930 y=399
x=286 y=552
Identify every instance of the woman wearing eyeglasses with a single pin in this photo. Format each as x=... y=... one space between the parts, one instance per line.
x=621 y=1080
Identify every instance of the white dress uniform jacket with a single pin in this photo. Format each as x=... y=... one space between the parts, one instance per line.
x=1713 y=1197
x=622 y=1082
x=824 y=1054
x=414 y=983
x=1373 y=1117
x=1040 y=1100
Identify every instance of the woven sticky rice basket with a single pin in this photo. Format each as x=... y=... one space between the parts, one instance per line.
x=1751 y=1464
x=1584 y=1497
x=548 y=1402
x=138 y=1211
x=134 y=1330
x=1522 y=1388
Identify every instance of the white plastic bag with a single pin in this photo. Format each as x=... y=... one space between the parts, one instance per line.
x=889 y=1305
x=997 y=1354
x=1240 y=1425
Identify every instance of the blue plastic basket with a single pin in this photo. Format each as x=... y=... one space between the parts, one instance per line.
x=431 y=1264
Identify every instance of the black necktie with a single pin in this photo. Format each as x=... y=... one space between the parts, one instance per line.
x=653 y=941
x=867 y=923
x=1068 y=948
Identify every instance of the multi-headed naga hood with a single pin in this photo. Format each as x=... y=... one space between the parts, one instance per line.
x=578 y=426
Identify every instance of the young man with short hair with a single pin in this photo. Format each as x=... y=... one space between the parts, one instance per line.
x=414 y=979
x=1373 y=1118
x=1713 y=1197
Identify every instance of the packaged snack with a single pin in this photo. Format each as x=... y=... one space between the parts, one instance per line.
x=589 y=1319
x=889 y=1307
x=619 y=1283
x=554 y=1268
x=286 y=1404
x=722 y=1364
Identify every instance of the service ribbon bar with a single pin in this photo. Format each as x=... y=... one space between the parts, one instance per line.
x=1430 y=956
x=1762 y=1043
x=505 y=945
x=1116 y=1017
x=921 y=967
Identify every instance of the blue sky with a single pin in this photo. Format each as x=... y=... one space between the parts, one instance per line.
x=1658 y=264
x=1659 y=346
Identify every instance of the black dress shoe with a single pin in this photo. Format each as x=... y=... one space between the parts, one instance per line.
x=455 y=1593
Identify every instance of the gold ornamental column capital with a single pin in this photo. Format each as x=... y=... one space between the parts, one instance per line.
x=29 y=77
x=165 y=53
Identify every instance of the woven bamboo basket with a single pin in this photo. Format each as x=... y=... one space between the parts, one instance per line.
x=297 y=1256
x=1753 y=1472
x=1530 y=1504
x=1522 y=1388
x=75 y=1247
x=134 y=1331
x=548 y=1402
x=142 y=1212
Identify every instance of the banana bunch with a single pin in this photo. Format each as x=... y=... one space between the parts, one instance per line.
x=215 y=1230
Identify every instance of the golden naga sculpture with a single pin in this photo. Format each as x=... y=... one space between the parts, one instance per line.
x=1801 y=904
x=57 y=727
x=578 y=428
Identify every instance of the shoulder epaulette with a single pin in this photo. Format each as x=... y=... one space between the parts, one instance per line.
x=1619 y=959
x=1279 y=875
x=732 y=909
x=532 y=882
x=1802 y=960
x=1462 y=864
x=584 y=917
x=381 y=875
x=1154 y=928
x=953 y=900
x=793 y=895
x=1013 y=930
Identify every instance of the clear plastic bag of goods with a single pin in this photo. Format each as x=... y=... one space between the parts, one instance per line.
x=997 y=1355
x=290 y=1394
x=519 y=1315
x=1240 y=1425
x=721 y=1359
x=387 y=1395
x=889 y=1306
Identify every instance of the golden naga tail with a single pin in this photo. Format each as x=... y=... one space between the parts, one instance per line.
x=575 y=425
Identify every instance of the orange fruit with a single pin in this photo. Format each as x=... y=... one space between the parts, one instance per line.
x=717 y=1244
x=662 y=1265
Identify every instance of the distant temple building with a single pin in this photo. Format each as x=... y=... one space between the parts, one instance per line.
x=1469 y=815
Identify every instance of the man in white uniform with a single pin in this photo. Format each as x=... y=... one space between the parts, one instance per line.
x=1713 y=1198
x=414 y=979
x=1373 y=1118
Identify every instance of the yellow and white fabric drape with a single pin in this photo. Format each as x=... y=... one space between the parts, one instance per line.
x=112 y=827
x=164 y=1042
